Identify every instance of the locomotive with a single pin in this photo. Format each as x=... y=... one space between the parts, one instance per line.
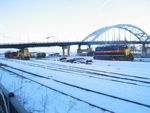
x=113 y=52
x=21 y=54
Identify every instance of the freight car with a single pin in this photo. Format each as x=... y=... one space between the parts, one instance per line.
x=37 y=55
x=113 y=52
x=21 y=54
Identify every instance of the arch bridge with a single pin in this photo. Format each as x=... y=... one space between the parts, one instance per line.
x=140 y=34
x=136 y=31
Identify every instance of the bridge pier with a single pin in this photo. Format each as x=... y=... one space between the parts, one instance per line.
x=144 y=51
x=79 y=50
x=68 y=50
x=84 y=52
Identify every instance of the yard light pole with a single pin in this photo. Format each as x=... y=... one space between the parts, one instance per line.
x=50 y=37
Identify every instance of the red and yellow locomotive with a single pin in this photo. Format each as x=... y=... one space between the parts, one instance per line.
x=113 y=52
x=21 y=54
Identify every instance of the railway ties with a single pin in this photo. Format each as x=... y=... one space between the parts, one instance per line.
x=88 y=92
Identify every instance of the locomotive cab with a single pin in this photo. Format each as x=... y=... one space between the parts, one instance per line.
x=25 y=54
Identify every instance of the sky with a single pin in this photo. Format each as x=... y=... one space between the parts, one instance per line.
x=67 y=20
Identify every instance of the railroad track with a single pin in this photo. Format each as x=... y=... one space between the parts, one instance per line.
x=123 y=75
x=92 y=73
x=36 y=75
x=81 y=68
x=21 y=73
x=98 y=72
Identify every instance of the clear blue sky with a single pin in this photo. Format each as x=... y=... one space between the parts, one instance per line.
x=68 y=20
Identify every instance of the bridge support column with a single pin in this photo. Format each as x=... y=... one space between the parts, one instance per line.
x=79 y=50
x=144 y=53
x=84 y=52
x=68 y=50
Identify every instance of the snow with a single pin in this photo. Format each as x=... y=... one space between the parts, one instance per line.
x=62 y=98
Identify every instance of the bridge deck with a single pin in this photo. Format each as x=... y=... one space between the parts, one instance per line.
x=47 y=44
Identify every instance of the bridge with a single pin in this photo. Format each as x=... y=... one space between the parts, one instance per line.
x=62 y=44
x=96 y=38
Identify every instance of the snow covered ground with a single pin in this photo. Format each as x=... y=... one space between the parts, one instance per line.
x=100 y=87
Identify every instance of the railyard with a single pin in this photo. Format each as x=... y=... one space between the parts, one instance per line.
x=103 y=86
x=74 y=56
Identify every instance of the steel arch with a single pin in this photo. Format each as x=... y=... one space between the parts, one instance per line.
x=136 y=31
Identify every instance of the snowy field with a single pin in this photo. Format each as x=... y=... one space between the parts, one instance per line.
x=50 y=86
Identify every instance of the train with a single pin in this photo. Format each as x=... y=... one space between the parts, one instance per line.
x=113 y=52
x=21 y=54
